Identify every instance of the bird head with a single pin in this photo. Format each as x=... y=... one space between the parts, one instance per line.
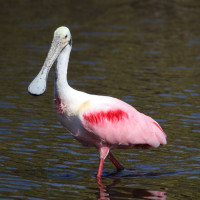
x=63 y=35
x=62 y=38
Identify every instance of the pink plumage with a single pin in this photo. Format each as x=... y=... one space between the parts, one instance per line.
x=120 y=125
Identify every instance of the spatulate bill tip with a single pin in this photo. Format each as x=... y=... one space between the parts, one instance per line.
x=37 y=87
x=35 y=92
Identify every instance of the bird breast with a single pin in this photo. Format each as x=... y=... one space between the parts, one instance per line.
x=60 y=107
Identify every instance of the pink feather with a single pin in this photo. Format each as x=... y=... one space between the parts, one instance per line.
x=118 y=124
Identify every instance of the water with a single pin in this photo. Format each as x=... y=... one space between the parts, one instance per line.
x=143 y=52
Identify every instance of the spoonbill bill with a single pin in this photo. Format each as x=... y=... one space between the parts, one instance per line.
x=103 y=122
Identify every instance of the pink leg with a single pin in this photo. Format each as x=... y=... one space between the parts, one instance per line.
x=103 y=152
x=115 y=162
x=100 y=168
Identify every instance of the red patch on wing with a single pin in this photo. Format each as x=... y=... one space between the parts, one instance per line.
x=111 y=115
x=59 y=105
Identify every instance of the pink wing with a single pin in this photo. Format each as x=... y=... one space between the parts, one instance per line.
x=118 y=123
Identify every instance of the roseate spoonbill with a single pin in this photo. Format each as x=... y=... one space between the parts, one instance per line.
x=100 y=121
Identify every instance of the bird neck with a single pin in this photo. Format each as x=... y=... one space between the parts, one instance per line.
x=63 y=93
x=61 y=83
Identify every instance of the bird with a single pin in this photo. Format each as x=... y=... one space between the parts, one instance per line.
x=104 y=122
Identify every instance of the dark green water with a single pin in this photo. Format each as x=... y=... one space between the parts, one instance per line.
x=146 y=53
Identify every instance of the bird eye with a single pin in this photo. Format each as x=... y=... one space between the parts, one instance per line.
x=65 y=36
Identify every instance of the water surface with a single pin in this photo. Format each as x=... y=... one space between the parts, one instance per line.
x=143 y=52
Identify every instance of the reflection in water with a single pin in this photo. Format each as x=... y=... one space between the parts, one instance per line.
x=106 y=192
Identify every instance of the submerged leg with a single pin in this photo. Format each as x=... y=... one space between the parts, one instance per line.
x=103 y=152
x=115 y=162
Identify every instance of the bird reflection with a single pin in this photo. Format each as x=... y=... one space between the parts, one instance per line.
x=107 y=192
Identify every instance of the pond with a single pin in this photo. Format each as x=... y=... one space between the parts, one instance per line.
x=143 y=52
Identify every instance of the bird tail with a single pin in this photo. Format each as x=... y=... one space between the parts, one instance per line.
x=159 y=133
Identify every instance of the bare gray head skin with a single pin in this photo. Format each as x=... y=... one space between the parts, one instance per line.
x=62 y=38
